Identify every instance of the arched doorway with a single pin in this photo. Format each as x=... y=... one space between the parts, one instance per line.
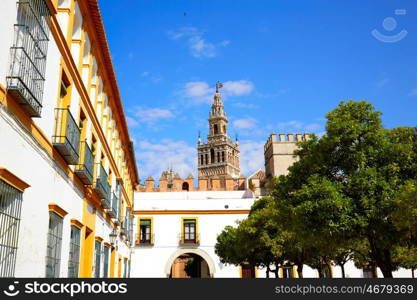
x=189 y=265
x=196 y=261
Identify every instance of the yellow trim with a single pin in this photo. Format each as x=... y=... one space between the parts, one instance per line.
x=119 y=266
x=77 y=223
x=182 y=228
x=83 y=93
x=145 y=218
x=13 y=180
x=57 y=209
x=112 y=261
x=190 y=212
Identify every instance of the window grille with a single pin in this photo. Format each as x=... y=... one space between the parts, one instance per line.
x=53 y=254
x=74 y=255
x=26 y=77
x=97 y=260
x=10 y=210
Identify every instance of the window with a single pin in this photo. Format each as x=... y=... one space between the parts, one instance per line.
x=212 y=155
x=106 y=262
x=97 y=255
x=216 y=129
x=218 y=156
x=10 y=208
x=53 y=253
x=222 y=156
x=206 y=159
x=202 y=159
x=74 y=255
x=189 y=230
x=145 y=231
x=185 y=186
x=125 y=268
x=64 y=93
x=28 y=53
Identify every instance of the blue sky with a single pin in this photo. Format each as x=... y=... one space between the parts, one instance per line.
x=285 y=64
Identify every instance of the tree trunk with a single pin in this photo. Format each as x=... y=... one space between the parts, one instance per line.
x=267 y=271
x=382 y=258
x=343 y=270
x=300 y=270
x=320 y=270
x=276 y=272
x=412 y=273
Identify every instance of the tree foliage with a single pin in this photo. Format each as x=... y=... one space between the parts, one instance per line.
x=351 y=195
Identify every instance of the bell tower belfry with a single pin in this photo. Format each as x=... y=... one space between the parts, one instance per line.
x=219 y=157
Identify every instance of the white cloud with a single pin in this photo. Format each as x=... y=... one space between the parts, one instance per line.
x=413 y=92
x=201 y=92
x=151 y=115
x=238 y=88
x=298 y=126
x=154 y=158
x=245 y=123
x=294 y=124
x=132 y=122
x=198 y=45
x=251 y=156
x=245 y=105
x=381 y=83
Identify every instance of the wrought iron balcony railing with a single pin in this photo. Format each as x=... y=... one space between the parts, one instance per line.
x=85 y=168
x=145 y=239
x=114 y=206
x=101 y=184
x=25 y=80
x=189 y=239
x=66 y=138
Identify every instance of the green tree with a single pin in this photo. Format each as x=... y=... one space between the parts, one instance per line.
x=344 y=184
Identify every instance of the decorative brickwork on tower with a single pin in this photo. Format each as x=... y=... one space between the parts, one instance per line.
x=219 y=157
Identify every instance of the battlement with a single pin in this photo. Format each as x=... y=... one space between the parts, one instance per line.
x=285 y=138
x=172 y=182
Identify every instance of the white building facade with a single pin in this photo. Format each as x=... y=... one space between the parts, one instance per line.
x=66 y=181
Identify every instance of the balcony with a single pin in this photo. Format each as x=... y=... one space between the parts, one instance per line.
x=101 y=184
x=26 y=76
x=114 y=206
x=66 y=138
x=85 y=168
x=189 y=240
x=106 y=202
x=142 y=240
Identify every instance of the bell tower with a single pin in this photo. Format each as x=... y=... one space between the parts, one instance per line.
x=219 y=157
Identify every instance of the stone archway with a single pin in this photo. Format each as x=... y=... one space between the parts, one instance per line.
x=181 y=252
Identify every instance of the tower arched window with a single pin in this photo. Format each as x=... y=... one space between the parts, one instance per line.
x=202 y=159
x=212 y=156
x=218 y=156
x=216 y=129
x=185 y=186
x=222 y=156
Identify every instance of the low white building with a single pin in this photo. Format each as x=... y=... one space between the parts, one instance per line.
x=171 y=227
x=170 y=236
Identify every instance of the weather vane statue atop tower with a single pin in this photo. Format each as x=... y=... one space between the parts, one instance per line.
x=219 y=85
